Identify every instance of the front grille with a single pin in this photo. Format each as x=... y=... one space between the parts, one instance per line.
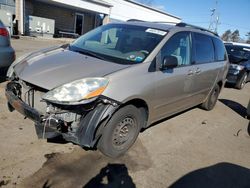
x=232 y=71
x=231 y=78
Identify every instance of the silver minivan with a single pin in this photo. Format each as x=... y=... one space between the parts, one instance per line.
x=116 y=80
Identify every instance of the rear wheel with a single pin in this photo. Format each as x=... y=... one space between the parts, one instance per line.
x=242 y=82
x=121 y=131
x=212 y=98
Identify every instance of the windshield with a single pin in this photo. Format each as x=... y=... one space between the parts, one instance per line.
x=119 y=43
x=237 y=53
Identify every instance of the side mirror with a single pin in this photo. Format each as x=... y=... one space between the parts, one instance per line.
x=169 y=62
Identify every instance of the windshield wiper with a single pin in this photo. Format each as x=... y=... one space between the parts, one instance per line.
x=86 y=52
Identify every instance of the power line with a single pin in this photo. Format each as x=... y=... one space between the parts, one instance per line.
x=223 y=23
x=214 y=21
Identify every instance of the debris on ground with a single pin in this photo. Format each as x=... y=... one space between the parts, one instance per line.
x=50 y=155
x=4 y=182
x=238 y=132
x=204 y=122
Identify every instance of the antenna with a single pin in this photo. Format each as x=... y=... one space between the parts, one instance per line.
x=215 y=18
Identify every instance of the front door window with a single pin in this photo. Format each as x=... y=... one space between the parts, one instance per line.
x=179 y=47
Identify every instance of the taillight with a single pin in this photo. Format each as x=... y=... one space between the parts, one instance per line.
x=4 y=32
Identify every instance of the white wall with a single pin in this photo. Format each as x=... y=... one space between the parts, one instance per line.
x=87 y=5
x=124 y=10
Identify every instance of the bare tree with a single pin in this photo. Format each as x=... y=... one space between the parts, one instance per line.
x=235 y=36
x=248 y=38
x=226 y=36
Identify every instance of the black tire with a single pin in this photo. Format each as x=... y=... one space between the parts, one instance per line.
x=121 y=131
x=212 y=98
x=242 y=82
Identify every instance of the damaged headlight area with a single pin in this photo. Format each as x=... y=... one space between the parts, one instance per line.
x=77 y=123
x=77 y=92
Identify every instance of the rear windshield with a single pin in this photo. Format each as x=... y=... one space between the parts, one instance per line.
x=120 y=43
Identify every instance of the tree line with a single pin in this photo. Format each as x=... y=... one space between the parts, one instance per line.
x=230 y=36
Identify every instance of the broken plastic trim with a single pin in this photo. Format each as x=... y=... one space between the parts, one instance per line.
x=90 y=125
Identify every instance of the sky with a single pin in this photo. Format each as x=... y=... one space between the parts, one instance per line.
x=233 y=14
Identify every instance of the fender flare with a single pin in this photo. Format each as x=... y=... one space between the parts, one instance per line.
x=86 y=135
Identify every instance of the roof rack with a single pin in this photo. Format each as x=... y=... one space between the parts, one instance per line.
x=163 y=22
x=182 y=24
x=135 y=20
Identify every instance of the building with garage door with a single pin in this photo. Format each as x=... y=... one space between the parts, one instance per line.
x=64 y=18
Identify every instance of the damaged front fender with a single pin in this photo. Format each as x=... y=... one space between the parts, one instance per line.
x=90 y=126
x=80 y=124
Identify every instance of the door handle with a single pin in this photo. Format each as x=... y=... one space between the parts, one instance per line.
x=198 y=71
x=190 y=73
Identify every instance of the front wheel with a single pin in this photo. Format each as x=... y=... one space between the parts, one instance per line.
x=121 y=131
x=212 y=98
x=242 y=82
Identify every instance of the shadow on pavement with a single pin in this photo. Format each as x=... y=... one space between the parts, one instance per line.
x=167 y=118
x=248 y=129
x=90 y=169
x=2 y=79
x=216 y=176
x=116 y=175
x=238 y=108
x=229 y=85
x=57 y=139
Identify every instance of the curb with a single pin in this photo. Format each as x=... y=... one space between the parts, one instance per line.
x=41 y=38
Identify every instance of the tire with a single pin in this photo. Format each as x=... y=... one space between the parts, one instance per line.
x=212 y=98
x=242 y=82
x=121 y=131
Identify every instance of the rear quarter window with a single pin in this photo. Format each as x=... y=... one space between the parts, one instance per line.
x=204 y=49
x=220 y=51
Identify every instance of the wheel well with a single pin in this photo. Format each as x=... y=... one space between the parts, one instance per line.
x=142 y=105
x=139 y=103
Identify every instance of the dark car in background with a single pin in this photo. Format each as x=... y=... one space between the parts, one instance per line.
x=7 y=53
x=239 y=58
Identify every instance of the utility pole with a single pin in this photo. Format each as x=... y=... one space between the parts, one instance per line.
x=214 y=20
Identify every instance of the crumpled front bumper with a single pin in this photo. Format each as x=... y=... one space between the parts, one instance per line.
x=14 y=102
x=88 y=131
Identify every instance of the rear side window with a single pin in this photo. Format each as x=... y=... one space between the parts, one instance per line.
x=220 y=52
x=204 y=49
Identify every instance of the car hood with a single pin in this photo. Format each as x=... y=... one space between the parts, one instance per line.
x=246 y=64
x=53 y=68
